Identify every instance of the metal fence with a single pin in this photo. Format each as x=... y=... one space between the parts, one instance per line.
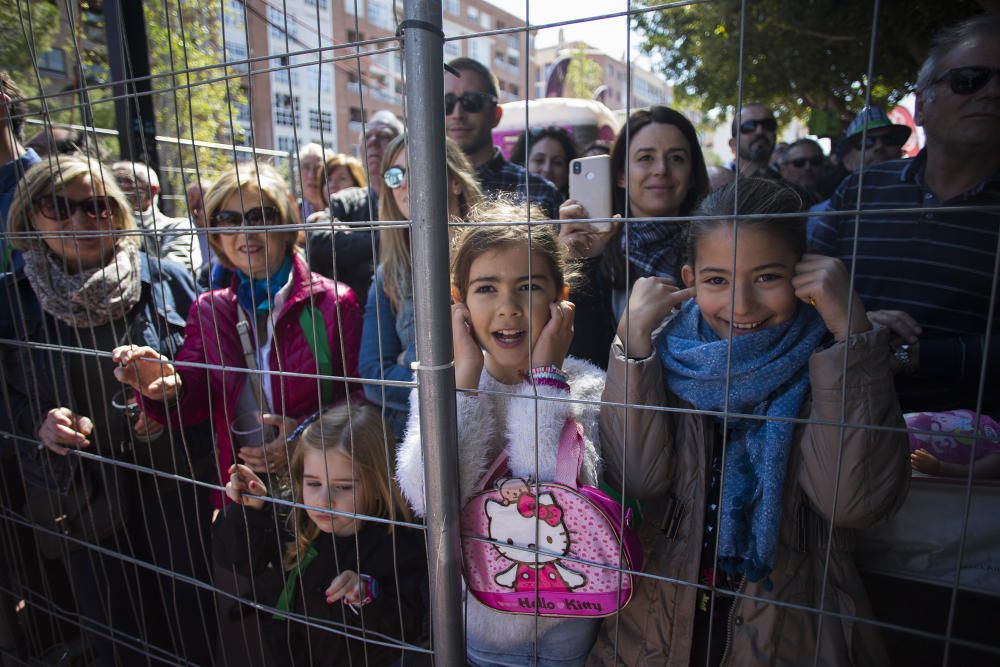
x=156 y=557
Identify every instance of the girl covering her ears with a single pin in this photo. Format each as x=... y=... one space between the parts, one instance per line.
x=512 y=328
x=335 y=570
x=747 y=502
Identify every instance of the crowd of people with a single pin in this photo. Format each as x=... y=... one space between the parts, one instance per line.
x=207 y=422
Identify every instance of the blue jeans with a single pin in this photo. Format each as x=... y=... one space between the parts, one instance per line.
x=566 y=646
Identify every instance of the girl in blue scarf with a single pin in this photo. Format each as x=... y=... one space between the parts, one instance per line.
x=756 y=340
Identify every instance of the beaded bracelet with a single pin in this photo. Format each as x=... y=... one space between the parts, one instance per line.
x=549 y=376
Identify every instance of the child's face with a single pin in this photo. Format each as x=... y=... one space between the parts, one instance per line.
x=508 y=305
x=760 y=291
x=328 y=482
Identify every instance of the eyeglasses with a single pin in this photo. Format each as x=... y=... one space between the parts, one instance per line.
x=471 y=102
x=394 y=177
x=800 y=162
x=768 y=124
x=255 y=216
x=968 y=80
x=61 y=208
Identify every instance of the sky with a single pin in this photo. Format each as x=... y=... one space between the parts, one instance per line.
x=609 y=35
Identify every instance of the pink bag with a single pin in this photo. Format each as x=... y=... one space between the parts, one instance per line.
x=949 y=435
x=581 y=542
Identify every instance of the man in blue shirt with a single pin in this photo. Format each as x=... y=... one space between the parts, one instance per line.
x=930 y=275
x=471 y=112
x=14 y=159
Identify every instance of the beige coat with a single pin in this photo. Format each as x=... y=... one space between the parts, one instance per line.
x=665 y=456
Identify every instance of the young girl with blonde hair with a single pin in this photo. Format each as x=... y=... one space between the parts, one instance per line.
x=341 y=563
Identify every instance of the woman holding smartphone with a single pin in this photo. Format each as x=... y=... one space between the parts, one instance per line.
x=657 y=171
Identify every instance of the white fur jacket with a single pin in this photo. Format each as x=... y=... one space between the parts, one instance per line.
x=500 y=416
x=504 y=416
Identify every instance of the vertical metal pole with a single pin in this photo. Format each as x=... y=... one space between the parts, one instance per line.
x=128 y=59
x=423 y=50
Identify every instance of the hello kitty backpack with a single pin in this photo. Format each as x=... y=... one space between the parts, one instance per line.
x=585 y=557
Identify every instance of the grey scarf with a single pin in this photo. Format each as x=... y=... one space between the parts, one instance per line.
x=87 y=298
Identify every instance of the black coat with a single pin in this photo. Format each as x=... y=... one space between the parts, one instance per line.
x=396 y=560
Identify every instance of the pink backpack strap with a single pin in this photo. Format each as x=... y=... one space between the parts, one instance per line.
x=570 y=456
x=498 y=468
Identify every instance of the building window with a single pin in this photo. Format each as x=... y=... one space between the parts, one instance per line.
x=286 y=110
x=320 y=120
x=472 y=14
x=350 y=5
x=53 y=60
x=485 y=21
x=355 y=115
x=286 y=144
x=454 y=8
x=321 y=3
x=479 y=50
x=380 y=14
x=355 y=36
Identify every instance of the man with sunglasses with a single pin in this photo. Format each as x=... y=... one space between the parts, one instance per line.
x=340 y=252
x=802 y=164
x=163 y=236
x=14 y=160
x=471 y=112
x=754 y=134
x=928 y=274
x=881 y=138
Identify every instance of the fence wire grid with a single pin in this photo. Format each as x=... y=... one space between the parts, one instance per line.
x=119 y=543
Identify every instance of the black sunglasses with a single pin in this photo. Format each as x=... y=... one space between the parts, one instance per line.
x=394 y=177
x=748 y=126
x=255 y=216
x=471 y=102
x=800 y=162
x=968 y=80
x=61 y=209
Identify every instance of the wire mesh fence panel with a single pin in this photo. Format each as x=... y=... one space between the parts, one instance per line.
x=385 y=333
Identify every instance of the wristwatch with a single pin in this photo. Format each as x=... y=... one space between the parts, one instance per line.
x=902 y=355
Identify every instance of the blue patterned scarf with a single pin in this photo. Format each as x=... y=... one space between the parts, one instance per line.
x=769 y=376
x=260 y=292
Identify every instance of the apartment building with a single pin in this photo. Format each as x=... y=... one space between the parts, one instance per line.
x=647 y=88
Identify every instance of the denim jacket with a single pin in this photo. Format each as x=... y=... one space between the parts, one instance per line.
x=33 y=375
x=395 y=335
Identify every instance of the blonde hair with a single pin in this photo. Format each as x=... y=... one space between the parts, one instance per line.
x=477 y=240
x=336 y=160
x=394 y=243
x=53 y=174
x=358 y=431
x=262 y=185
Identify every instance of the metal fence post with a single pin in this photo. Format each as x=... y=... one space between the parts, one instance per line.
x=423 y=51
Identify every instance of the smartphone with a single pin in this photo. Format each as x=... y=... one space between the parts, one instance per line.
x=590 y=184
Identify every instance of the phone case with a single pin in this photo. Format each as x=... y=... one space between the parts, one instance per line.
x=590 y=184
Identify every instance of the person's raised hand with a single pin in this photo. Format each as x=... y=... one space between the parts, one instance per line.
x=62 y=430
x=824 y=283
x=245 y=488
x=345 y=586
x=553 y=342
x=899 y=323
x=651 y=301
x=273 y=457
x=468 y=353
x=145 y=370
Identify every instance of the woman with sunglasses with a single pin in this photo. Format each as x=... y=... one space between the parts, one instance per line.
x=85 y=289
x=275 y=316
x=387 y=343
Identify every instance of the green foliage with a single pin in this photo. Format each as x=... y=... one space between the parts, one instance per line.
x=191 y=95
x=798 y=55
x=583 y=76
x=18 y=18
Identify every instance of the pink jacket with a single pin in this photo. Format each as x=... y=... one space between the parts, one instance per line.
x=211 y=338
